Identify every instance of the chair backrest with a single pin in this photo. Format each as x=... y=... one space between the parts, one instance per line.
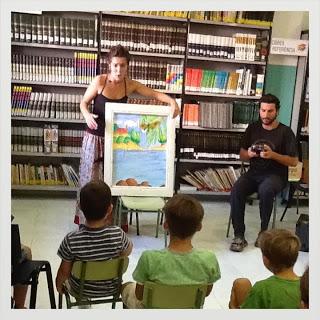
x=143 y=203
x=295 y=173
x=100 y=270
x=162 y=296
x=16 y=254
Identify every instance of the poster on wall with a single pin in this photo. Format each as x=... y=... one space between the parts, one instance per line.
x=139 y=150
x=289 y=47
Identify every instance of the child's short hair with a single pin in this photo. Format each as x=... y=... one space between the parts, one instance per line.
x=95 y=199
x=281 y=247
x=304 y=287
x=184 y=215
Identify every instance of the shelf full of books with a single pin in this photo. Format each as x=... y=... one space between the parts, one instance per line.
x=166 y=36
x=209 y=181
x=26 y=176
x=225 y=67
x=45 y=140
x=54 y=30
x=219 y=115
x=213 y=60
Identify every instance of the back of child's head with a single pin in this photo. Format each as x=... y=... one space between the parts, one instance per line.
x=95 y=199
x=281 y=247
x=304 y=288
x=183 y=216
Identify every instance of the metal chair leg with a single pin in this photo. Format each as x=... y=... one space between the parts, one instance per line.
x=229 y=224
x=119 y=212
x=50 y=286
x=165 y=238
x=60 y=301
x=137 y=223
x=161 y=220
x=274 y=212
x=34 y=288
x=158 y=219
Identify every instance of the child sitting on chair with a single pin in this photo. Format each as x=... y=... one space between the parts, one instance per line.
x=280 y=250
x=180 y=263
x=95 y=241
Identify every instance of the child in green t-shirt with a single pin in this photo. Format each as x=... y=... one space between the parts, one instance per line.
x=180 y=263
x=280 y=250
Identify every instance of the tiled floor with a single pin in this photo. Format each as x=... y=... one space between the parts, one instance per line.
x=44 y=222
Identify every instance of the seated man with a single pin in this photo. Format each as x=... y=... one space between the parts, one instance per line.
x=270 y=146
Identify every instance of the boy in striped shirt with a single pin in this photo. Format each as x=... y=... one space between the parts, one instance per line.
x=96 y=240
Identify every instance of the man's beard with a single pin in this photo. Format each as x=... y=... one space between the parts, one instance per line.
x=268 y=121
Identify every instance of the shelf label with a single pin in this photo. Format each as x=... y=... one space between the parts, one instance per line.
x=289 y=47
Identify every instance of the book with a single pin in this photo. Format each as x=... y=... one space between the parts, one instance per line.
x=259 y=85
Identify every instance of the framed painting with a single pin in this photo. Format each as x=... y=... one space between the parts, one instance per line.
x=139 y=149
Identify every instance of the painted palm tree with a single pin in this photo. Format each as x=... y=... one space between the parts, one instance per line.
x=152 y=126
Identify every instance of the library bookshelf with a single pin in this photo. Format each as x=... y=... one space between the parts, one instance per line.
x=56 y=54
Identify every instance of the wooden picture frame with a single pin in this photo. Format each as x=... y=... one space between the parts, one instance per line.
x=139 y=149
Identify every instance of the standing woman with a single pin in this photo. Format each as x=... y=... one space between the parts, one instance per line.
x=114 y=86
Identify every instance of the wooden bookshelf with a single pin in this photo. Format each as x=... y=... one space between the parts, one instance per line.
x=262 y=63
x=52 y=46
x=230 y=25
x=221 y=95
x=80 y=121
x=211 y=129
x=35 y=187
x=40 y=154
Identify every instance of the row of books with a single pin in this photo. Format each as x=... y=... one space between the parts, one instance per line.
x=146 y=101
x=55 y=30
x=213 y=179
x=208 y=115
x=221 y=145
x=263 y=18
x=46 y=139
x=79 y=69
x=27 y=103
x=29 y=174
x=174 y=14
x=242 y=81
x=145 y=37
x=157 y=74
x=190 y=153
x=244 y=113
x=240 y=46
x=215 y=115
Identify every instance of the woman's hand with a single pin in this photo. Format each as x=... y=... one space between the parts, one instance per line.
x=89 y=118
x=176 y=109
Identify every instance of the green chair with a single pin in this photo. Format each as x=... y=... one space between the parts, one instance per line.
x=140 y=204
x=162 y=296
x=95 y=271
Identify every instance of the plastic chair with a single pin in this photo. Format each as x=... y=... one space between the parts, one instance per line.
x=27 y=272
x=140 y=204
x=95 y=271
x=276 y=200
x=294 y=178
x=162 y=296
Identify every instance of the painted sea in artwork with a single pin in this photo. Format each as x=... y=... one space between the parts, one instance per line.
x=139 y=150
